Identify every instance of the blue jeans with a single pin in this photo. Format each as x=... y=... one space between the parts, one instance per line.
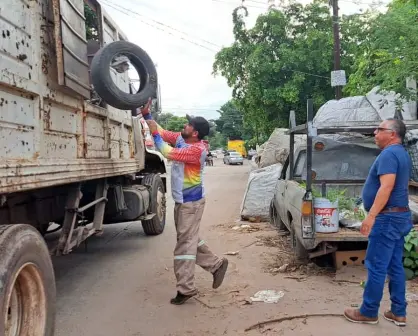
x=384 y=257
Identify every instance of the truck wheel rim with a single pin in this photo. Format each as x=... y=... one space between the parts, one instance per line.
x=26 y=313
x=160 y=204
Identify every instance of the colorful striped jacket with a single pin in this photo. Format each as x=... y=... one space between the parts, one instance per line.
x=187 y=167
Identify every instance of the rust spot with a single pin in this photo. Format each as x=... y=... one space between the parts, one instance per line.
x=45 y=64
x=22 y=57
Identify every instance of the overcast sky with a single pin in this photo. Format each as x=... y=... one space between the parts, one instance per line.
x=182 y=37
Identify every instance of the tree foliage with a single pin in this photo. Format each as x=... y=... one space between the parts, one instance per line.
x=389 y=53
x=230 y=122
x=279 y=63
x=171 y=122
x=287 y=57
x=92 y=28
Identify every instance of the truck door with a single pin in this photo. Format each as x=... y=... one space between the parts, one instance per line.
x=71 y=45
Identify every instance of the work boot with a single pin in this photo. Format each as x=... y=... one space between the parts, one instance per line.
x=398 y=320
x=219 y=274
x=354 y=315
x=180 y=298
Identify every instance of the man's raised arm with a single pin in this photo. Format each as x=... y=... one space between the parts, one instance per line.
x=167 y=136
x=189 y=154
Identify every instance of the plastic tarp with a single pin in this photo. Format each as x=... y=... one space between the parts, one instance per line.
x=259 y=192
x=374 y=106
x=276 y=149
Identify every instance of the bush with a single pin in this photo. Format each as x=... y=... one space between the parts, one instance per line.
x=410 y=260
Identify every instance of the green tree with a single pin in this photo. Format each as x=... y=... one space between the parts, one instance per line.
x=92 y=29
x=163 y=119
x=279 y=63
x=176 y=124
x=389 y=53
x=230 y=122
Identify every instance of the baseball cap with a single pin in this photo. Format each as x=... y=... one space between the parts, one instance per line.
x=200 y=125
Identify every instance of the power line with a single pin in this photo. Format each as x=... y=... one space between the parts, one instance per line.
x=230 y=3
x=128 y=12
x=305 y=73
x=257 y=2
x=168 y=26
x=365 y=3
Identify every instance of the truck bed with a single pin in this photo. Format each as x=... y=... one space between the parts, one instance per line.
x=49 y=133
x=343 y=234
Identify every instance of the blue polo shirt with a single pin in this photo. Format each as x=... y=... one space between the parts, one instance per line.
x=394 y=159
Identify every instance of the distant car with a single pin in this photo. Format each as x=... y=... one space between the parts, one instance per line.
x=214 y=154
x=233 y=158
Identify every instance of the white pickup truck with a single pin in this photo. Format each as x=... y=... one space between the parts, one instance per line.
x=72 y=152
x=329 y=158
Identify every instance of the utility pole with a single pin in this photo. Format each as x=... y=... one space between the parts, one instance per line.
x=337 y=46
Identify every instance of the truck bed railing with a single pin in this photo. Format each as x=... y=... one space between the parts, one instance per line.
x=311 y=130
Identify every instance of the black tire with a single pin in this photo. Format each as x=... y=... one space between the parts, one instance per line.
x=299 y=250
x=27 y=294
x=156 y=225
x=107 y=89
x=275 y=219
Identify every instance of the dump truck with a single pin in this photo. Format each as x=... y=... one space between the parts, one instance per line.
x=238 y=146
x=72 y=153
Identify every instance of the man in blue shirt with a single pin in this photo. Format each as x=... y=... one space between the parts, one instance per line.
x=385 y=197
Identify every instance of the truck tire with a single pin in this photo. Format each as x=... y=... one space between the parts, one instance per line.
x=106 y=87
x=275 y=219
x=156 y=225
x=27 y=291
x=299 y=250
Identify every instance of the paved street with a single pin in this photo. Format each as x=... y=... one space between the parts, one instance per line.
x=122 y=284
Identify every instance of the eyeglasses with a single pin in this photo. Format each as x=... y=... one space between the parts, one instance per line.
x=381 y=129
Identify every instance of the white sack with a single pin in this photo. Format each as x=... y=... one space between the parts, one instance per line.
x=260 y=191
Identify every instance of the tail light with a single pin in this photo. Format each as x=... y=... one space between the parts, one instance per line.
x=306 y=208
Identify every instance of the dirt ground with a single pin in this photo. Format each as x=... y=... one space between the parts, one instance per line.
x=122 y=283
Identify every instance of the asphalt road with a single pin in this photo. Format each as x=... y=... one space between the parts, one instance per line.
x=121 y=282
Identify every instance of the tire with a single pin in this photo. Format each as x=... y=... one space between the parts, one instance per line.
x=27 y=294
x=299 y=250
x=107 y=89
x=156 y=225
x=275 y=219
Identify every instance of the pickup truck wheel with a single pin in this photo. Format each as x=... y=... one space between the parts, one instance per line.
x=156 y=225
x=106 y=87
x=275 y=219
x=298 y=249
x=27 y=291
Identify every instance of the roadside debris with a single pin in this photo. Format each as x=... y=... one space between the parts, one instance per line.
x=267 y=296
x=289 y=318
x=232 y=253
x=246 y=228
x=410 y=297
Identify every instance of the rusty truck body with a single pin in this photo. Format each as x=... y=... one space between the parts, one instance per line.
x=66 y=158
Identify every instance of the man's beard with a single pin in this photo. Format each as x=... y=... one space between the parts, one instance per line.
x=185 y=135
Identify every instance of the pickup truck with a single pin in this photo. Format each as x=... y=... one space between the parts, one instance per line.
x=72 y=153
x=331 y=157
